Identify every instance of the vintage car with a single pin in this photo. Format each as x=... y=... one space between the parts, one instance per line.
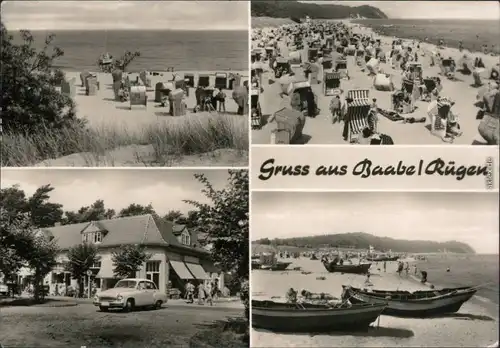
x=4 y=290
x=129 y=294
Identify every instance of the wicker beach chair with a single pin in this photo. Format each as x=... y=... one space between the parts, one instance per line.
x=289 y=126
x=256 y=113
x=331 y=82
x=356 y=117
x=221 y=80
x=138 y=96
x=177 y=105
x=341 y=67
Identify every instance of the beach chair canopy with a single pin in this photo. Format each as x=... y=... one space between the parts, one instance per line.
x=295 y=86
x=331 y=76
x=447 y=62
x=282 y=61
x=288 y=118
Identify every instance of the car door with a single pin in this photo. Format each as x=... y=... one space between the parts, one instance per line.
x=152 y=292
x=142 y=294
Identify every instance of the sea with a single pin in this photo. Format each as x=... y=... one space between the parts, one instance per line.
x=472 y=33
x=160 y=50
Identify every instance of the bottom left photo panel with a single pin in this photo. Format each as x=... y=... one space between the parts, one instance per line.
x=124 y=257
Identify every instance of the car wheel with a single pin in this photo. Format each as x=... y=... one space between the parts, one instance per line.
x=158 y=304
x=129 y=305
x=103 y=309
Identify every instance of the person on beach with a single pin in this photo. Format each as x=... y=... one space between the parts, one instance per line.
x=373 y=116
x=291 y=296
x=385 y=266
x=221 y=99
x=400 y=268
x=367 y=280
x=189 y=292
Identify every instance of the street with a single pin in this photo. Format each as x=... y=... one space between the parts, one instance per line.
x=85 y=325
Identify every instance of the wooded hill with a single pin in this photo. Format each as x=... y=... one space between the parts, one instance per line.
x=295 y=9
x=360 y=240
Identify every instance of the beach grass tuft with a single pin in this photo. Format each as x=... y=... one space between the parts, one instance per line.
x=196 y=134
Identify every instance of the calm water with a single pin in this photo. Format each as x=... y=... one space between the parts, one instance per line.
x=465 y=270
x=182 y=50
x=473 y=33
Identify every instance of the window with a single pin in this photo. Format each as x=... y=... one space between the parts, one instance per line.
x=92 y=237
x=150 y=286
x=185 y=238
x=153 y=271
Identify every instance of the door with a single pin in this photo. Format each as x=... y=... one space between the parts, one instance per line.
x=142 y=294
x=152 y=292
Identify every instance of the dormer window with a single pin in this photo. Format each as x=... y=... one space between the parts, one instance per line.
x=186 y=238
x=92 y=234
x=92 y=237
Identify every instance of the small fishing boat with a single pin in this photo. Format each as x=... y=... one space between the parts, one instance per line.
x=256 y=264
x=307 y=317
x=382 y=258
x=354 y=269
x=278 y=266
x=417 y=304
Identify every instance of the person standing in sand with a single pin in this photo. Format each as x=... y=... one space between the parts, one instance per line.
x=489 y=126
x=201 y=294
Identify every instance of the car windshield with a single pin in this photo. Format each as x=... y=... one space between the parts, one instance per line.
x=126 y=284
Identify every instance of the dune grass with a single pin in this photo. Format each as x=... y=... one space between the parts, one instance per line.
x=197 y=134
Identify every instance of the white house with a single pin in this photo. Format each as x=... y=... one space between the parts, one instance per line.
x=176 y=255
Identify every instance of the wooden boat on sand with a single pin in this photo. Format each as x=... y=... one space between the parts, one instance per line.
x=418 y=304
x=278 y=266
x=354 y=269
x=306 y=317
x=382 y=258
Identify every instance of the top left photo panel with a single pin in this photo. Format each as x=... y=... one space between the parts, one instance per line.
x=124 y=84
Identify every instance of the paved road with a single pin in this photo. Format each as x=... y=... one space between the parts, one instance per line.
x=85 y=325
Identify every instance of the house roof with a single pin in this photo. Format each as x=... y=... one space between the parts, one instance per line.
x=141 y=229
x=177 y=229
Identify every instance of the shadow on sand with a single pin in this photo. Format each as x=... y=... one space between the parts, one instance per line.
x=369 y=332
x=468 y=316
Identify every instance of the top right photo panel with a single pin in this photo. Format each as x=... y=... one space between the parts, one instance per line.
x=375 y=73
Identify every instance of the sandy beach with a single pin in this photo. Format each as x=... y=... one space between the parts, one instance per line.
x=320 y=130
x=103 y=112
x=475 y=325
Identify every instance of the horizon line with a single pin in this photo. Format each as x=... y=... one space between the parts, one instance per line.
x=122 y=29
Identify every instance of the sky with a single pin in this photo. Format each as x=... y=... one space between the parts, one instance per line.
x=431 y=9
x=109 y=14
x=74 y=188
x=471 y=218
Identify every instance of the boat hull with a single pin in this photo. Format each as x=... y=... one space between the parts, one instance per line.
x=325 y=320
x=352 y=269
x=416 y=309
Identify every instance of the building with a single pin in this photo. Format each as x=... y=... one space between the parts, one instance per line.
x=177 y=256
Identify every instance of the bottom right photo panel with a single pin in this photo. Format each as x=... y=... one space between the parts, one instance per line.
x=374 y=269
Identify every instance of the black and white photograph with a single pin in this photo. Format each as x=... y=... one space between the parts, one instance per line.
x=124 y=258
x=125 y=83
x=375 y=72
x=374 y=269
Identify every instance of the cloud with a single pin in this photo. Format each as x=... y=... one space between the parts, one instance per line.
x=164 y=189
x=468 y=217
x=87 y=15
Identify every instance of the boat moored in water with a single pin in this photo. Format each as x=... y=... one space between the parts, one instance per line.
x=306 y=317
x=417 y=304
x=278 y=266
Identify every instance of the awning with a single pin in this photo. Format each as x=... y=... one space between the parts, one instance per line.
x=181 y=270
x=106 y=270
x=209 y=267
x=197 y=271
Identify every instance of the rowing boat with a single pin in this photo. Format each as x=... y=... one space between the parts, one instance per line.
x=418 y=304
x=307 y=317
x=354 y=269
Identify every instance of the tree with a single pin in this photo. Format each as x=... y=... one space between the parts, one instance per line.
x=81 y=258
x=29 y=99
x=95 y=212
x=42 y=259
x=137 y=209
x=172 y=215
x=16 y=240
x=128 y=260
x=41 y=212
x=225 y=222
